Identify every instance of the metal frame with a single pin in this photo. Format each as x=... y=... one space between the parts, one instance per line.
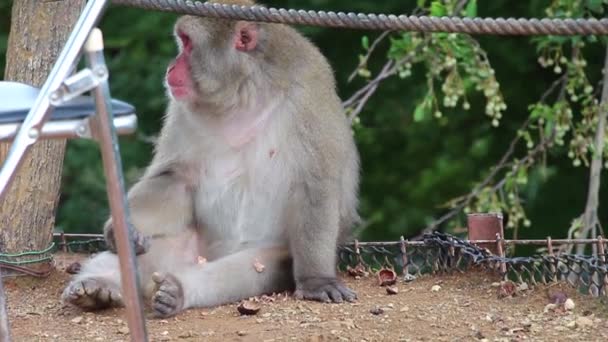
x=58 y=88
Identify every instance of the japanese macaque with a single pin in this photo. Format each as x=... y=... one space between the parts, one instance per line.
x=254 y=180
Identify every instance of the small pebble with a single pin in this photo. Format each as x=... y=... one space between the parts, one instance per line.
x=435 y=288
x=569 y=304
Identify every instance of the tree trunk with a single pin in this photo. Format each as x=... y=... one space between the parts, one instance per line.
x=39 y=29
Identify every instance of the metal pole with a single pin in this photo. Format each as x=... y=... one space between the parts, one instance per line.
x=32 y=125
x=108 y=141
x=5 y=333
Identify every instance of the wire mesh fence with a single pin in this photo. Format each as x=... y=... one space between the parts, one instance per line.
x=444 y=253
x=435 y=253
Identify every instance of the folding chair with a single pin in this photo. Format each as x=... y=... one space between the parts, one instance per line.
x=61 y=110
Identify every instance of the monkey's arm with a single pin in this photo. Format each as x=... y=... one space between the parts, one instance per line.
x=160 y=204
x=245 y=274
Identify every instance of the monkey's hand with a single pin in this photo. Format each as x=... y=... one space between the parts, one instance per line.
x=168 y=299
x=324 y=290
x=141 y=242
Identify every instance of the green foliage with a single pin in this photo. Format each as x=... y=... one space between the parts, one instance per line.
x=429 y=135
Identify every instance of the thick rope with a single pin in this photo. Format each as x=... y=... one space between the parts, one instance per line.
x=498 y=26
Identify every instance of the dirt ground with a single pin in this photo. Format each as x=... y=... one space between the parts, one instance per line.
x=459 y=307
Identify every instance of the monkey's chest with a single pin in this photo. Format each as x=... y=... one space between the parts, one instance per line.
x=240 y=197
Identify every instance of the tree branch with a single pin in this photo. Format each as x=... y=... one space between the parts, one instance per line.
x=458 y=204
x=590 y=217
x=370 y=51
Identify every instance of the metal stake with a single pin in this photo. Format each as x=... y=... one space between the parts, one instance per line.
x=108 y=142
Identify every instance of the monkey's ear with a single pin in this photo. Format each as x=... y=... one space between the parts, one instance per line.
x=246 y=36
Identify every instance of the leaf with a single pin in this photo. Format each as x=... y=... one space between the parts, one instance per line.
x=438 y=9
x=421 y=3
x=420 y=112
x=365 y=42
x=595 y=6
x=471 y=9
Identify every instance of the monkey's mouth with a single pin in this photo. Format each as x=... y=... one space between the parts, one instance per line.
x=179 y=92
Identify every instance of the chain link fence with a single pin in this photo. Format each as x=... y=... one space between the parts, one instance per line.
x=439 y=253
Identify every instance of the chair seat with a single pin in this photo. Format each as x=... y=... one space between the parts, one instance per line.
x=16 y=99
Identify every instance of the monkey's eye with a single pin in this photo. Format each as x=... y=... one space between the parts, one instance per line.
x=186 y=41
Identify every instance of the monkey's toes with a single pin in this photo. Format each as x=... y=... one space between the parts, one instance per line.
x=92 y=294
x=168 y=299
x=324 y=290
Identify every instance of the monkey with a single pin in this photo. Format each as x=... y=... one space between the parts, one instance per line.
x=255 y=172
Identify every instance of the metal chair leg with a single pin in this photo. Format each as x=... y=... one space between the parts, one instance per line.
x=5 y=334
x=108 y=141
x=40 y=111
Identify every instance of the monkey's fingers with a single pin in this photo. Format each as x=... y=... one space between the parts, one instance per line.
x=142 y=243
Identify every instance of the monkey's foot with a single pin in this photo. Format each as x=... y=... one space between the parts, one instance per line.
x=324 y=290
x=168 y=299
x=92 y=294
x=141 y=242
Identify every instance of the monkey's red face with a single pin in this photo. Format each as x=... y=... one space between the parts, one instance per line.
x=179 y=79
x=213 y=62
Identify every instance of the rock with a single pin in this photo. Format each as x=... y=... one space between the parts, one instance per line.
x=523 y=287
x=241 y=333
x=584 y=322
x=392 y=290
x=376 y=311
x=248 y=307
x=409 y=278
x=123 y=330
x=435 y=288
x=569 y=304
x=348 y=324
x=571 y=325
x=357 y=271
x=550 y=307
x=558 y=298
x=187 y=334
x=77 y=319
x=506 y=289
x=495 y=284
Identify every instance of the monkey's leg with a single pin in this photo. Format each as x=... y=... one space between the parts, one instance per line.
x=159 y=205
x=97 y=285
x=313 y=242
x=245 y=274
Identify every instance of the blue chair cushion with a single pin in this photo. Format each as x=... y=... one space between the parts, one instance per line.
x=16 y=99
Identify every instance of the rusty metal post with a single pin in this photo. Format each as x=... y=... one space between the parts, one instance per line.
x=5 y=333
x=403 y=252
x=601 y=251
x=501 y=253
x=485 y=227
x=64 y=241
x=550 y=251
x=358 y=252
x=108 y=142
